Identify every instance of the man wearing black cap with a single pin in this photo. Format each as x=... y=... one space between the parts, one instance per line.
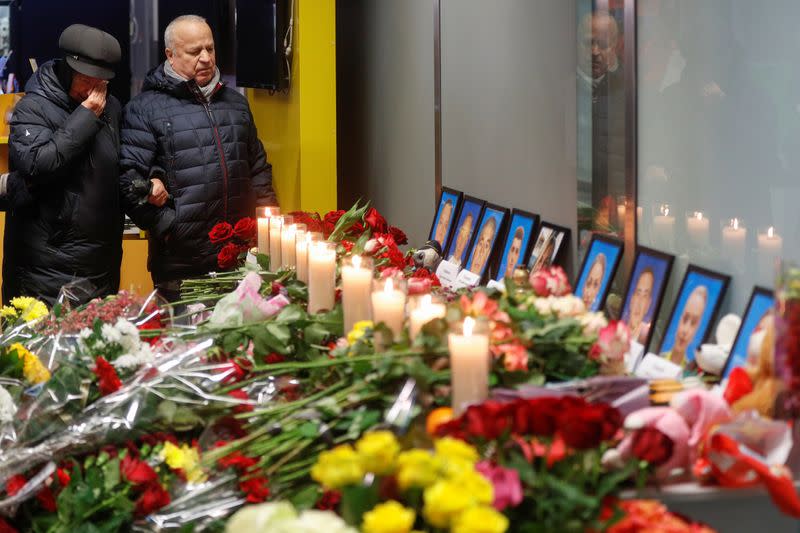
x=64 y=144
x=196 y=141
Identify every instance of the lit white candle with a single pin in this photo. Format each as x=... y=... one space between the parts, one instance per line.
x=263 y=235
x=356 y=290
x=389 y=306
x=734 y=237
x=288 y=246
x=697 y=228
x=301 y=255
x=664 y=227
x=321 y=276
x=275 y=226
x=424 y=313
x=770 y=249
x=469 y=366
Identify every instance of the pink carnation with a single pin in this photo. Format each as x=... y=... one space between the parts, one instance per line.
x=613 y=342
x=550 y=282
x=507 y=487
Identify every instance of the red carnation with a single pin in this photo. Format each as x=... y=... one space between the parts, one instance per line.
x=15 y=484
x=152 y=499
x=63 y=477
x=544 y=413
x=245 y=229
x=333 y=217
x=375 y=220
x=107 y=379
x=239 y=394
x=256 y=489
x=329 y=500
x=398 y=235
x=651 y=445
x=228 y=256
x=238 y=461
x=274 y=358
x=47 y=500
x=136 y=471
x=220 y=233
x=488 y=420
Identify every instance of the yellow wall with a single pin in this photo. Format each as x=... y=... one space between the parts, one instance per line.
x=298 y=129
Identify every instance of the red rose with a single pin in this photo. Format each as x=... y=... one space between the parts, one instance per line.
x=63 y=477
x=15 y=484
x=329 y=500
x=333 y=217
x=238 y=461
x=47 y=500
x=399 y=236
x=245 y=230
x=107 y=379
x=220 y=233
x=521 y=417
x=152 y=499
x=256 y=489
x=453 y=428
x=375 y=220
x=228 y=256
x=5 y=527
x=544 y=414
x=584 y=428
x=239 y=394
x=424 y=273
x=488 y=420
x=136 y=471
x=651 y=445
x=274 y=358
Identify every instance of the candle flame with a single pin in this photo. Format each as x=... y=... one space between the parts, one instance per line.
x=469 y=325
x=389 y=287
x=664 y=209
x=356 y=262
x=771 y=232
x=735 y=223
x=698 y=215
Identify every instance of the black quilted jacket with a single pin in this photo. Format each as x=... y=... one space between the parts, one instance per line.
x=214 y=165
x=72 y=226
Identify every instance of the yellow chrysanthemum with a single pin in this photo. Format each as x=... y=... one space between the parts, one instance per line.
x=359 y=330
x=32 y=368
x=445 y=500
x=185 y=458
x=28 y=308
x=389 y=517
x=417 y=469
x=477 y=486
x=8 y=313
x=456 y=456
x=378 y=451
x=480 y=519
x=338 y=468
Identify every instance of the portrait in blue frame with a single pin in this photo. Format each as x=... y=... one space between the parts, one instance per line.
x=468 y=219
x=484 y=245
x=645 y=292
x=446 y=213
x=598 y=271
x=517 y=244
x=695 y=310
x=760 y=307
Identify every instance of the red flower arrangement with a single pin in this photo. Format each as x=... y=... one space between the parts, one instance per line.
x=107 y=379
x=550 y=281
x=234 y=241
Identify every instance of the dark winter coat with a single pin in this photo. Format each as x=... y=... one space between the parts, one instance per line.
x=214 y=166
x=69 y=160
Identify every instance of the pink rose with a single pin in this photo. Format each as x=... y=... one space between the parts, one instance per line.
x=613 y=342
x=507 y=487
x=515 y=357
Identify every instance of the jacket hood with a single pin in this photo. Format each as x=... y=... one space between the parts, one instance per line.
x=44 y=82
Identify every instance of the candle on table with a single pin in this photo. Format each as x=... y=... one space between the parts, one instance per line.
x=356 y=290
x=425 y=311
x=469 y=366
x=734 y=237
x=664 y=226
x=263 y=227
x=697 y=228
x=301 y=256
x=321 y=276
x=621 y=209
x=770 y=249
x=288 y=245
x=389 y=304
x=275 y=227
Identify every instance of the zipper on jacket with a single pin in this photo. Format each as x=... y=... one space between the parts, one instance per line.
x=222 y=162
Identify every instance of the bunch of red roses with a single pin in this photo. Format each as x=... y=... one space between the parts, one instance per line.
x=253 y=483
x=234 y=240
x=371 y=220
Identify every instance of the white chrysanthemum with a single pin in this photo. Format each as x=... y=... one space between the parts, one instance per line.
x=544 y=306
x=137 y=359
x=110 y=334
x=85 y=334
x=7 y=407
x=126 y=328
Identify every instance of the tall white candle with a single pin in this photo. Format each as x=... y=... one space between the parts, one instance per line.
x=697 y=228
x=263 y=235
x=275 y=226
x=356 y=290
x=389 y=306
x=301 y=252
x=321 y=277
x=288 y=246
x=734 y=237
x=469 y=366
x=770 y=249
x=664 y=227
x=424 y=313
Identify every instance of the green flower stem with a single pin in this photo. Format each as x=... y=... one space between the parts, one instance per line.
x=295 y=405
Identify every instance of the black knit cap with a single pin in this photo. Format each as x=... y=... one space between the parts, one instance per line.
x=90 y=51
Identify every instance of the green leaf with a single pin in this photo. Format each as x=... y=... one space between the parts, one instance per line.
x=291 y=313
x=263 y=261
x=305 y=498
x=111 y=474
x=316 y=333
x=309 y=430
x=570 y=492
x=231 y=341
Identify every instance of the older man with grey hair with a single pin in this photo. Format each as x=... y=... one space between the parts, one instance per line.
x=193 y=143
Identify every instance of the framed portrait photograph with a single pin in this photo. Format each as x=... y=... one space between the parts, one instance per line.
x=695 y=310
x=517 y=243
x=446 y=213
x=598 y=270
x=645 y=292
x=747 y=345
x=549 y=249
x=468 y=218
x=487 y=236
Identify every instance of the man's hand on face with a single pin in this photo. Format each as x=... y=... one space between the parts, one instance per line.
x=158 y=194
x=96 y=101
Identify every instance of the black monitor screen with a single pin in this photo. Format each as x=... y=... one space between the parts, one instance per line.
x=260 y=31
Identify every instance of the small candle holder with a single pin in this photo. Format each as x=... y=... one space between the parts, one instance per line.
x=321 y=276
x=423 y=309
x=389 y=304
x=357 y=274
x=770 y=252
x=470 y=362
x=664 y=226
x=263 y=215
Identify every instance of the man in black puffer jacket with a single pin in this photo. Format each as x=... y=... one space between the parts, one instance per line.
x=196 y=142
x=64 y=147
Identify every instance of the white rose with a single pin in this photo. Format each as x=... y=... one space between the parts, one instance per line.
x=313 y=521
x=544 y=306
x=593 y=322
x=372 y=246
x=261 y=517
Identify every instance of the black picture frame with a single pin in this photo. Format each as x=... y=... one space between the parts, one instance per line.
x=558 y=255
x=492 y=211
x=744 y=328
x=688 y=284
x=446 y=194
x=470 y=205
x=496 y=270
x=658 y=295
x=601 y=244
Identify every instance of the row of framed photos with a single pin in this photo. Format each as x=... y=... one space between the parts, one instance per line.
x=693 y=314
x=490 y=240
